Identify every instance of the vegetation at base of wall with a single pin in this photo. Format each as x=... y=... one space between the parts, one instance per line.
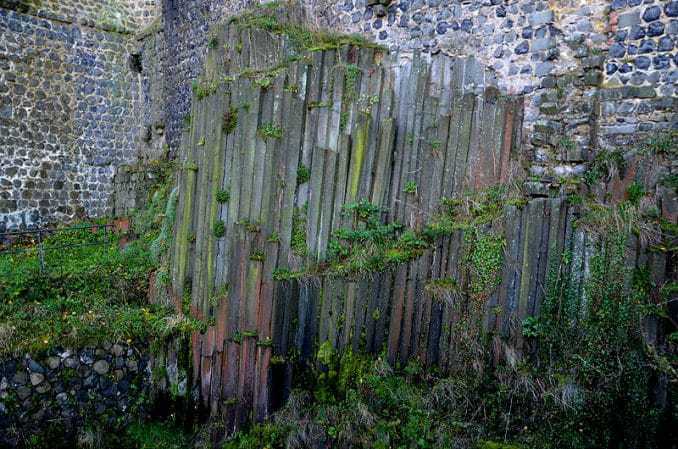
x=355 y=402
x=584 y=381
x=94 y=287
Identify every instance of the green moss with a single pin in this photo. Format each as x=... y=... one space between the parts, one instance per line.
x=219 y=229
x=230 y=121
x=258 y=256
x=359 y=148
x=270 y=131
x=635 y=192
x=223 y=196
x=298 y=242
x=302 y=38
x=303 y=174
x=410 y=187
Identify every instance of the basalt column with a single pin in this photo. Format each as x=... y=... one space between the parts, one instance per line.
x=283 y=136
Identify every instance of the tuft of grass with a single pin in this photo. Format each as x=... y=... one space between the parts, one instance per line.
x=230 y=121
x=303 y=174
x=270 y=131
x=219 y=229
x=410 y=187
x=223 y=196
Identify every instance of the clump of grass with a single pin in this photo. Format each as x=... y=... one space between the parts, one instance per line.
x=410 y=187
x=298 y=243
x=203 y=89
x=219 y=229
x=223 y=196
x=270 y=131
x=230 y=121
x=303 y=174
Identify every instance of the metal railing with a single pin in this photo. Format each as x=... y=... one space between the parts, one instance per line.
x=28 y=241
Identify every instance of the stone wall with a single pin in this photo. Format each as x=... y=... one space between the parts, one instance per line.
x=71 y=99
x=566 y=57
x=124 y=16
x=65 y=388
x=595 y=74
x=186 y=25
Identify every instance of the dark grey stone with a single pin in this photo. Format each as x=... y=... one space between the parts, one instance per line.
x=665 y=44
x=625 y=68
x=618 y=4
x=616 y=50
x=628 y=19
x=642 y=62
x=652 y=13
x=637 y=32
x=671 y=9
x=647 y=46
x=522 y=48
x=661 y=62
x=655 y=29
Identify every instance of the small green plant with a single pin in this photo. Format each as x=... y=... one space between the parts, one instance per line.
x=635 y=192
x=213 y=42
x=230 y=120
x=203 y=89
x=531 y=327
x=303 y=174
x=223 y=196
x=258 y=256
x=270 y=131
x=219 y=229
x=410 y=187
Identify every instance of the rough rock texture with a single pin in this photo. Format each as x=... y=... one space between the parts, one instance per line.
x=71 y=100
x=399 y=131
x=69 y=387
x=595 y=74
x=122 y=16
x=563 y=56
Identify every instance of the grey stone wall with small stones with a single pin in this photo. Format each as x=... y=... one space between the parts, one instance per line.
x=124 y=16
x=71 y=109
x=67 y=388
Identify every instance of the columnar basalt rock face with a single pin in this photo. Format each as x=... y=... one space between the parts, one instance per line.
x=397 y=132
x=69 y=387
x=70 y=99
x=285 y=146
